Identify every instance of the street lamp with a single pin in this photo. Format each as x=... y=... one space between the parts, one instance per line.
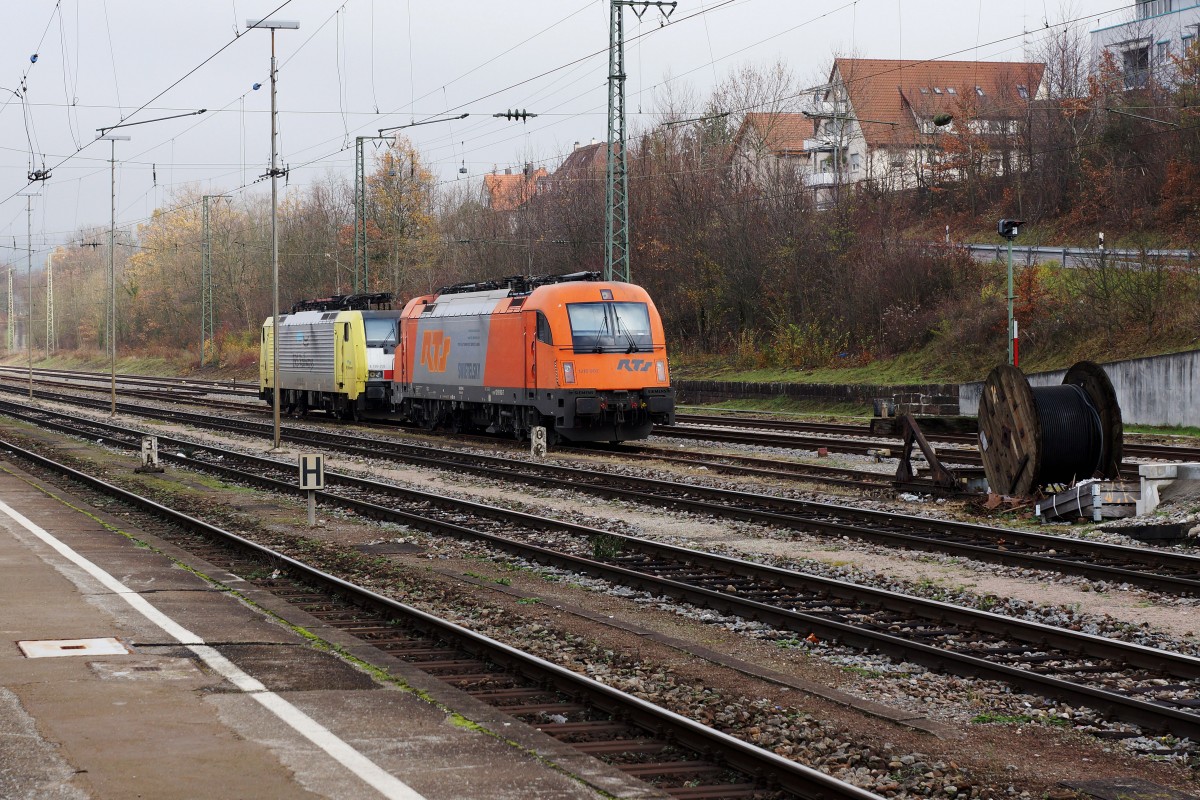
x=274 y=25
x=29 y=281
x=112 y=139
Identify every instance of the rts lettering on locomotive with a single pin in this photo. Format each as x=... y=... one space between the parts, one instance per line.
x=582 y=357
x=435 y=349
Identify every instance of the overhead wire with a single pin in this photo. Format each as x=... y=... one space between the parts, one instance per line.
x=237 y=36
x=33 y=60
x=66 y=75
x=321 y=158
x=526 y=81
x=112 y=55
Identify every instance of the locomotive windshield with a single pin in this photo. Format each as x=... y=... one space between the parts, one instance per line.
x=381 y=331
x=609 y=327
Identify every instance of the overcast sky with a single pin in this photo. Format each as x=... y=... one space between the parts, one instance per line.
x=364 y=64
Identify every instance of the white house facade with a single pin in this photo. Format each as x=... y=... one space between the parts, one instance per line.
x=1143 y=45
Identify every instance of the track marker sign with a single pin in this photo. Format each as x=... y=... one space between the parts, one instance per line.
x=312 y=479
x=312 y=471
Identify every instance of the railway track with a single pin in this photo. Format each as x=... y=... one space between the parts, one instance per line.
x=724 y=463
x=687 y=760
x=1150 y=687
x=839 y=437
x=791 y=430
x=184 y=385
x=1155 y=569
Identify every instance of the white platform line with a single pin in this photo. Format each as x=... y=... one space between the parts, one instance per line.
x=382 y=781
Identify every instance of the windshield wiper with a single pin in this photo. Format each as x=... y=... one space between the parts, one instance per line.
x=602 y=334
x=633 y=345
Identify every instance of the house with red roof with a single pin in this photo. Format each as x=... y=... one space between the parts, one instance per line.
x=898 y=123
x=508 y=191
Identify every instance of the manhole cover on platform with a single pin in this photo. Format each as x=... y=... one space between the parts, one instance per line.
x=55 y=648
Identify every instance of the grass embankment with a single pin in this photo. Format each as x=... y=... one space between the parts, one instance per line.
x=910 y=368
x=134 y=363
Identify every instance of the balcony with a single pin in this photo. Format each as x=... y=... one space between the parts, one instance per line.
x=815 y=180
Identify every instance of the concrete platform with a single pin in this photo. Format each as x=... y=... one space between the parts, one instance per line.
x=214 y=698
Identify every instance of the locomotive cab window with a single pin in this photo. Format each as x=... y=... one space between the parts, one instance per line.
x=609 y=327
x=544 y=333
x=381 y=331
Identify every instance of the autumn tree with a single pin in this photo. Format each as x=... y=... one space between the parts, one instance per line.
x=400 y=201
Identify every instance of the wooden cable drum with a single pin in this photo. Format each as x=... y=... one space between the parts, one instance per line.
x=1031 y=437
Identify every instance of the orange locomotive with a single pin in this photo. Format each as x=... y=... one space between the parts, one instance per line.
x=586 y=359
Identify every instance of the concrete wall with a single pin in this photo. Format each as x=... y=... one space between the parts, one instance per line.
x=689 y=391
x=1159 y=390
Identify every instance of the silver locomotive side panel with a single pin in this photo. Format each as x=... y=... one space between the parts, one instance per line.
x=305 y=343
x=452 y=344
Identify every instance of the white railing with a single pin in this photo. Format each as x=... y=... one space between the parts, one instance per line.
x=813 y=179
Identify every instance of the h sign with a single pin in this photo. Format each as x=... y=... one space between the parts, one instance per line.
x=312 y=471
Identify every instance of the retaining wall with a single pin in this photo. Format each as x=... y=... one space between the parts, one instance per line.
x=688 y=392
x=1158 y=390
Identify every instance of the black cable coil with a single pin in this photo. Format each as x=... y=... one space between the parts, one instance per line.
x=1072 y=434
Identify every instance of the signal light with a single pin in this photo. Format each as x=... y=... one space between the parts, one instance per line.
x=1008 y=228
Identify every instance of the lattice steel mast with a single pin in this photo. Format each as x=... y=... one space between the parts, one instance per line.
x=12 y=323
x=616 y=195
x=51 y=334
x=208 y=317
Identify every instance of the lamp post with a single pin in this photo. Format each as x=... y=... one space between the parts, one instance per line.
x=274 y=25
x=29 y=281
x=112 y=139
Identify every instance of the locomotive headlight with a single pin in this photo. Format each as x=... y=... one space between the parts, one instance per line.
x=568 y=372
x=660 y=369
x=374 y=373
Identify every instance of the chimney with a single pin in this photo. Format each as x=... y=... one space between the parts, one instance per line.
x=593 y=140
x=576 y=147
x=508 y=170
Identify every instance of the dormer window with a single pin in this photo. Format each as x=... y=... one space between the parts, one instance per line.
x=951 y=90
x=937 y=90
x=924 y=90
x=1023 y=90
x=979 y=91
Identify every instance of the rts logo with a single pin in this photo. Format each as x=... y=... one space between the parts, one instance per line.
x=633 y=365
x=435 y=349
